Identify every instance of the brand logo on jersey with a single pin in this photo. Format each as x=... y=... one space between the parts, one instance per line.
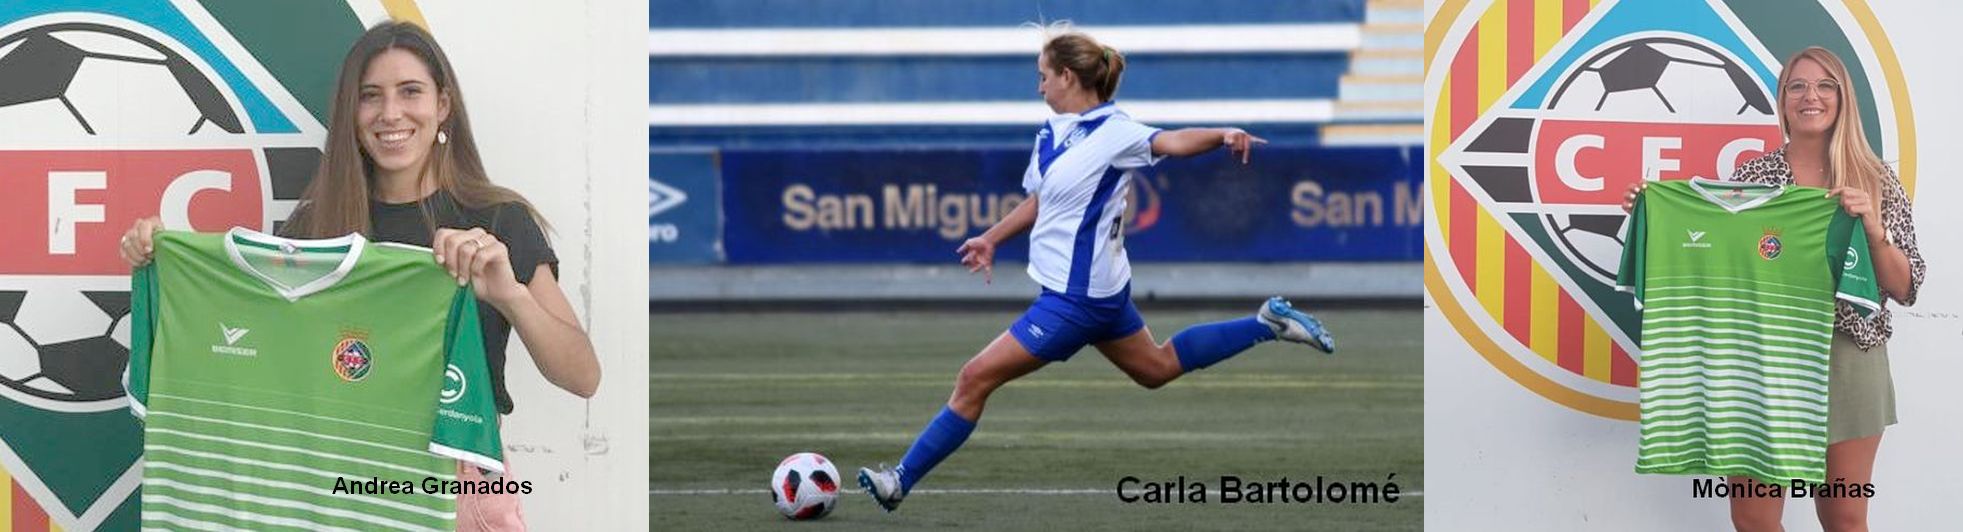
x=453 y=385
x=1543 y=119
x=1035 y=331
x=352 y=359
x=1769 y=247
x=232 y=335
x=1695 y=236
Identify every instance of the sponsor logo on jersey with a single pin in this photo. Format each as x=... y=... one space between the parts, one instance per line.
x=1539 y=122
x=453 y=385
x=352 y=359
x=1853 y=259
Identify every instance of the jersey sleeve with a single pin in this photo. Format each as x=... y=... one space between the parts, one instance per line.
x=1856 y=284
x=143 y=316
x=1136 y=150
x=1635 y=235
x=466 y=418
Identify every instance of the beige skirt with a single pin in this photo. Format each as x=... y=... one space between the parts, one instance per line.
x=1861 y=393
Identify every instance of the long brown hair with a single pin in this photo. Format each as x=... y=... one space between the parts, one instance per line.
x=1851 y=162
x=336 y=201
x=1098 y=67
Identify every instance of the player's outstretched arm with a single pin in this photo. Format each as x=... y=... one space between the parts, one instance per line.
x=978 y=253
x=1197 y=140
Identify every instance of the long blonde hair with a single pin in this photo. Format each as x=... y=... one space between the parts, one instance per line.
x=1851 y=161
x=336 y=201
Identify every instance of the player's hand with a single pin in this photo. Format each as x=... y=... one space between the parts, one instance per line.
x=1856 y=201
x=1859 y=205
x=476 y=256
x=1629 y=199
x=136 y=242
x=1240 y=142
x=978 y=254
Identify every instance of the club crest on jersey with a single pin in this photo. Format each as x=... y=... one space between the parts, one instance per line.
x=1769 y=245
x=1539 y=122
x=352 y=359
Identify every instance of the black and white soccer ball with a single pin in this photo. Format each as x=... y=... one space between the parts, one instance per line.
x=1664 y=77
x=69 y=80
x=805 y=486
x=63 y=346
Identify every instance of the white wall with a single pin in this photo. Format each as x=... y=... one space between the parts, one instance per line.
x=1499 y=457
x=557 y=91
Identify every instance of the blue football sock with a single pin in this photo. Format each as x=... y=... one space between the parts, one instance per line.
x=942 y=436
x=1207 y=344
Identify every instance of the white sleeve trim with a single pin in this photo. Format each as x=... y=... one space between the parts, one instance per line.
x=1865 y=303
x=481 y=461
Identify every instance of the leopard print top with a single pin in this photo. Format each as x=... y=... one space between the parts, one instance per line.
x=1772 y=168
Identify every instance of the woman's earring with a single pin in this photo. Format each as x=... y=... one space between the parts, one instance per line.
x=442 y=137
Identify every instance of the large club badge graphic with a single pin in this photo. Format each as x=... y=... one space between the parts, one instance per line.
x=109 y=113
x=74 y=81
x=1543 y=114
x=1663 y=105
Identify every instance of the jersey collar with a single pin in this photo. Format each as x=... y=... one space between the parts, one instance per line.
x=353 y=241
x=1060 y=129
x=1703 y=187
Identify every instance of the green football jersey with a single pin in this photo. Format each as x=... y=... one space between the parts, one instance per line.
x=269 y=372
x=1737 y=284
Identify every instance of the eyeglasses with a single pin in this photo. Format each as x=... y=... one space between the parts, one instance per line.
x=1825 y=87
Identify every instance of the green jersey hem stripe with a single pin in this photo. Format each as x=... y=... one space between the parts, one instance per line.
x=235 y=515
x=1703 y=280
x=1729 y=289
x=364 y=498
x=1743 y=302
x=152 y=448
x=309 y=434
x=1697 y=319
x=279 y=503
x=293 y=450
x=290 y=413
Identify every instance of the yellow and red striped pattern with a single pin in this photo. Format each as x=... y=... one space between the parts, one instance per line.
x=1507 y=284
x=19 y=512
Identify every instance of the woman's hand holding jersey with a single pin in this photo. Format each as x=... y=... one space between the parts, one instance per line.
x=1198 y=140
x=475 y=256
x=136 y=242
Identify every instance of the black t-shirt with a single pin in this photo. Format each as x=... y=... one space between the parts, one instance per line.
x=510 y=223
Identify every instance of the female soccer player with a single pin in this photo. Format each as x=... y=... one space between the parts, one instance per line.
x=1077 y=178
x=1828 y=148
x=401 y=165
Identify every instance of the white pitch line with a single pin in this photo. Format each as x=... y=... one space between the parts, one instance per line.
x=956 y=491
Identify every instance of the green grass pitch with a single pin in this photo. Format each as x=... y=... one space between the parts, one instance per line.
x=732 y=393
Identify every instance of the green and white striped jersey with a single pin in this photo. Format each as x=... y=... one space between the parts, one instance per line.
x=1737 y=283
x=270 y=371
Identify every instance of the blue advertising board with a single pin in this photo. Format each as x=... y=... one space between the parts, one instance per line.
x=684 y=208
x=1306 y=203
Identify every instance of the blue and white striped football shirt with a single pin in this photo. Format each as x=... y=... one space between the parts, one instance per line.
x=1080 y=172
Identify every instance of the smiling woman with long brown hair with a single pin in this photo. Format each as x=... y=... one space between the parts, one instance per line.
x=401 y=165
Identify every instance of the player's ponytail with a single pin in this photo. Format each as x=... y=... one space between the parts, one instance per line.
x=1098 y=68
